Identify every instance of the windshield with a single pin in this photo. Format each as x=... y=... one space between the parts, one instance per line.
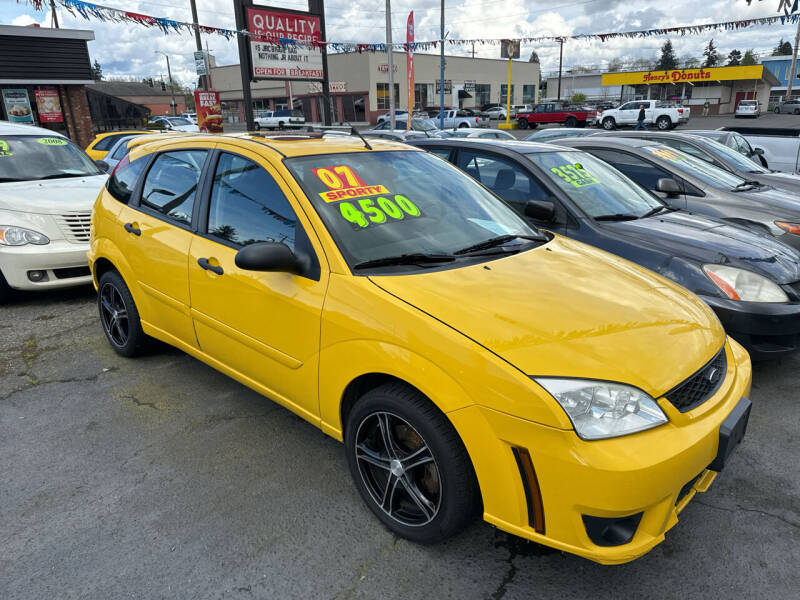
x=179 y=121
x=381 y=204
x=705 y=172
x=31 y=157
x=597 y=188
x=423 y=125
x=735 y=159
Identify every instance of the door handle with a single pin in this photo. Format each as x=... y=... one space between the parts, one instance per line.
x=131 y=229
x=204 y=264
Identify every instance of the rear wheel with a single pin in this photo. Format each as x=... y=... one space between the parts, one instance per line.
x=409 y=464
x=119 y=316
x=609 y=123
x=522 y=123
x=570 y=121
x=777 y=110
x=664 y=123
x=258 y=127
x=280 y=125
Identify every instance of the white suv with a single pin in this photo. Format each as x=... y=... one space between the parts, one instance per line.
x=47 y=188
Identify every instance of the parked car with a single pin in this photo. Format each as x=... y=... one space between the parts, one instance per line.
x=47 y=187
x=425 y=127
x=791 y=106
x=748 y=108
x=719 y=155
x=397 y=135
x=490 y=134
x=454 y=119
x=472 y=364
x=191 y=116
x=660 y=114
x=102 y=142
x=555 y=112
x=174 y=124
x=577 y=195
x=553 y=133
x=403 y=114
x=780 y=145
x=496 y=112
x=688 y=183
x=117 y=151
x=280 y=119
x=734 y=141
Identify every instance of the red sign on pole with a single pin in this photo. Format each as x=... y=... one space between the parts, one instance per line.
x=209 y=112
x=410 y=65
x=274 y=56
x=49 y=106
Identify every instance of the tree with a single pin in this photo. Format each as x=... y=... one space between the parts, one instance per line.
x=534 y=57
x=782 y=49
x=749 y=58
x=711 y=54
x=97 y=71
x=734 y=58
x=690 y=62
x=668 y=60
x=578 y=98
x=615 y=64
x=642 y=64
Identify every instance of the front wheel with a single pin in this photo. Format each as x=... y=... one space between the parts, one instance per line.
x=777 y=110
x=409 y=464
x=664 y=123
x=281 y=125
x=119 y=316
x=609 y=123
x=522 y=123
x=258 y=127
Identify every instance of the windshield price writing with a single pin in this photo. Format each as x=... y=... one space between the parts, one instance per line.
x=378 y=210
x=575 y=175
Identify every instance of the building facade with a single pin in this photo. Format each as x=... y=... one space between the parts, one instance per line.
x=43 y=78
x=780 y=66
x=152 y=97
x=359 y=84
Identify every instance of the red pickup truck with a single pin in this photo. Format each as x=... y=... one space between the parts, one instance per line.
x=555 y=112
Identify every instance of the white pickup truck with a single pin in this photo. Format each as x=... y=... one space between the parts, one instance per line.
x=456 y=119
x=279 y=119
x=663 y=115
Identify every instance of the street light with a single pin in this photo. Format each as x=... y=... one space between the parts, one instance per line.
x=173 y=104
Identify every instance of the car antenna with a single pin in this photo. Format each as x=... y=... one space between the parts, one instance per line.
x=354 y=131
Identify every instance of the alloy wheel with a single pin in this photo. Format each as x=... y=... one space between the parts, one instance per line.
x=114 y=315
x=398 y=469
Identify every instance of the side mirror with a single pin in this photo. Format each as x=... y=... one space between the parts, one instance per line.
x=268 y=256
x=103 y=165
x=759 y=151
x=541 y=210
x=669 y=187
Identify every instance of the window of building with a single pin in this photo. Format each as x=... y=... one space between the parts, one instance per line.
x=483 y=94
x=503 y=92
x=171 y=184
x=529 y=94
x=383 y=95
x=247 y=206
x=420 y=95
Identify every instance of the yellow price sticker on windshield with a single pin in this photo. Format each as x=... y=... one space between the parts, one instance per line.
x=4 y=151
x=376 y=211
x=52 y=141
x=575 y=175
x=666 y=154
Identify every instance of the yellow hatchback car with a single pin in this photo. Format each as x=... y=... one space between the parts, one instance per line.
x=471 y=364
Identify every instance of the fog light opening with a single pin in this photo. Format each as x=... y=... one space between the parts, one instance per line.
x=37 y=276
x=613 y=531
x=530 y=483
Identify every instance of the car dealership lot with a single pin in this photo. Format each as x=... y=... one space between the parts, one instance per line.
x=161 y=477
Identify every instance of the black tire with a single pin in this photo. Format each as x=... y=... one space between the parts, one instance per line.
x=664 y=123
x=796 y=111
x=280 y=125
x=6 y=291
x=777 y=110
x=258 y=127
x=570 y=121
x=119 y=316
x=609 y=123
x=522 y=123
x=444 y=485
x=462 y=125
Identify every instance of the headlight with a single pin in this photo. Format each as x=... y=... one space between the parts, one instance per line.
x=738 y=284
x=602 y=409
x=790 y=227
x=19 y=236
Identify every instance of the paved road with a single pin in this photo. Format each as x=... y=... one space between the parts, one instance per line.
x=161 y=478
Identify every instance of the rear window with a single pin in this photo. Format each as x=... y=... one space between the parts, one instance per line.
x=124 y=177
x=106 y=143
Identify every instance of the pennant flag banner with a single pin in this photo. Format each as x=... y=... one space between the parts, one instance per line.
x=91 y=11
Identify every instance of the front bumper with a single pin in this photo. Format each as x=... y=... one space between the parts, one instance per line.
x=65 y=264
x=767 y=330
x=651 y=475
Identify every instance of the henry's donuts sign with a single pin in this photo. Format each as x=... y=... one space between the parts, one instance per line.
x=753 y=72
x=676 y=76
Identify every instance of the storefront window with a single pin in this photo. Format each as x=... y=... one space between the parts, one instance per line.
x=420 y=95
x=483 y=94
x=528 y=94
x=383 y=96
x=503 y=88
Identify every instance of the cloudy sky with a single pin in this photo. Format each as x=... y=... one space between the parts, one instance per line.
x=127 y=49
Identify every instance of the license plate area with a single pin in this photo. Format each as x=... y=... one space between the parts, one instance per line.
x=731 y=433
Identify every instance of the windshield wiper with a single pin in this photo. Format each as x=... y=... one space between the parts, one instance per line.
x=655 y=211
x=60 y=175
x=497 y=241
x=616 y=217
x=405 y=259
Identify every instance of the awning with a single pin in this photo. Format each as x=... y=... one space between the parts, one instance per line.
x=462 y=94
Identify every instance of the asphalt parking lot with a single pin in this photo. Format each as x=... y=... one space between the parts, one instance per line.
x=162 y=478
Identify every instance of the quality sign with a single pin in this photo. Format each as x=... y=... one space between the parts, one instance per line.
x=273 y=34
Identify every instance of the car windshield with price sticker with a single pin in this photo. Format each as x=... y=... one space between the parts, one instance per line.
x=30 y=157
x=390 y=204
x=597 y=188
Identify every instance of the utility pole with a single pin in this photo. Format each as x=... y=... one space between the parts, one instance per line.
x=560 y=63
x=390 y=61
x=198 y=43
x=441 y=72
x=173 y=104
x=53 y=12
x=792 y=72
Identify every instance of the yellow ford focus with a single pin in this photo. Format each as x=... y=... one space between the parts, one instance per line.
x=471 y=364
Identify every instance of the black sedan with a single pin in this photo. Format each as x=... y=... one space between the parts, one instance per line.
x=751 y=281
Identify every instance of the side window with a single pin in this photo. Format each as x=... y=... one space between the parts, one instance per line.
x=106 y=143
x=123 y=179
x=170 y=185
x=505 y=178
x=440 y=152
x=642 y=172
x=247 y=206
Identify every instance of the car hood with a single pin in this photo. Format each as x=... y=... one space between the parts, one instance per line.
x=52 y=196
x=786 y=181
x=568 y=309
x=708 y=240
x=786 y=203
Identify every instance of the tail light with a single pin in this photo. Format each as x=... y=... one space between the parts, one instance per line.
x=476 y=120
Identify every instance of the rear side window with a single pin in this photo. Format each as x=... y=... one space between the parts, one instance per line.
x=642 y=172
x=106 y=143
x=122 y=181
x=247 y=206
x=170 y=186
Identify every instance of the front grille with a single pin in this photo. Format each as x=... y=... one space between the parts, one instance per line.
x=75 y=226
x=700 y=386
x=70 y=272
